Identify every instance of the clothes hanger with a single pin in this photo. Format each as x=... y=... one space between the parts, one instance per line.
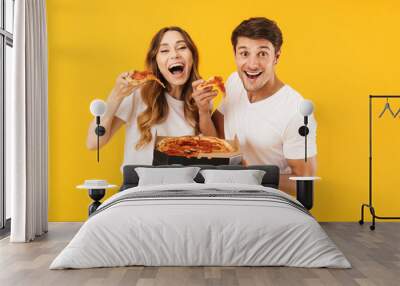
x=397 y=113
x=387 y=107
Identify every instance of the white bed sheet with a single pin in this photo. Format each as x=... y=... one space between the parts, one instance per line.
x=200 y=231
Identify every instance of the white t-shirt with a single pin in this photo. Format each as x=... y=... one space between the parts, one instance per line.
x=267 y=129
x=175 y=125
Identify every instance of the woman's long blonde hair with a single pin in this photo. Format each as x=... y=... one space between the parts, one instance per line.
x=153 y=94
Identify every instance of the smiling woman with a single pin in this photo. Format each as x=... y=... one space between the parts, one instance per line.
x=151 y=108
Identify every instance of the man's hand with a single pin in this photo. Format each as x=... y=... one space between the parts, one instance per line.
x=300 y=168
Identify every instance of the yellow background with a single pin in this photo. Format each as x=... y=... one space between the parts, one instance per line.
x=335 y=53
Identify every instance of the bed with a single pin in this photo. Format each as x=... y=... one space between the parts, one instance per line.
x=201 y=224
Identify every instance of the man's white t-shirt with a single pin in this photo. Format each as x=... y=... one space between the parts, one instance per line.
x=175 y=125
x=267 y=129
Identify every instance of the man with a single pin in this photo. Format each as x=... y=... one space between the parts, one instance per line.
x=259 y=108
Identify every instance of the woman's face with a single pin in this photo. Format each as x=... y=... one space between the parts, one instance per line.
x=174 y=58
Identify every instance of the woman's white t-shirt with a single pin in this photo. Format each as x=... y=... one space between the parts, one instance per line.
x=175 y=125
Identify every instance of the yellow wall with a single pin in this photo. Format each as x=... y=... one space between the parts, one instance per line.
x=335 y=55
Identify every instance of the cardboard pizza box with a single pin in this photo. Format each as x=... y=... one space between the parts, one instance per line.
x=231 y=158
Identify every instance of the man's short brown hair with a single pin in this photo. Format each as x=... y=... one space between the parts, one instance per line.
x=258 y=28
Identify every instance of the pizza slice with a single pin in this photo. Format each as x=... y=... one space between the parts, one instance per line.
x=215 y=81
x=141 y=77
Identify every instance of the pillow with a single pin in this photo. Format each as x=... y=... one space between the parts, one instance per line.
x=163 y=176
x=248 y=177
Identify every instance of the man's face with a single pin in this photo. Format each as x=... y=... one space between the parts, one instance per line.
x=255 y=60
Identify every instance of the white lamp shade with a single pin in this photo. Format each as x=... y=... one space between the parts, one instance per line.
x=98 y=107
x=306 y=107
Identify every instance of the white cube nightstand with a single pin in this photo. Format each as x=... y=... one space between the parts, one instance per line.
x=97 y=190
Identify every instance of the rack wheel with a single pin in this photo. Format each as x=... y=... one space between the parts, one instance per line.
x=372 y=227
x=361 y=222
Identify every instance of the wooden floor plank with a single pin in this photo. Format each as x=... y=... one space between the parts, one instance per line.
x=374 y=255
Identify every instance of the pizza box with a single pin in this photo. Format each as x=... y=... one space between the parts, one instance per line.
x=231 y=158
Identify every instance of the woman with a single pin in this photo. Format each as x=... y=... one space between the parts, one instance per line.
x=150 y=110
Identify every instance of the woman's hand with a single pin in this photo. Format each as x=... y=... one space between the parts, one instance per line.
x=122 y=86
x=202 y=97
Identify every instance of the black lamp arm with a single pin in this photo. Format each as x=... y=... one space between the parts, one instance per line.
x=100 y=131
x=303 y=131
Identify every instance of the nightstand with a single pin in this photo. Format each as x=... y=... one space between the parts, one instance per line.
x=305 y=190
x=97 y=190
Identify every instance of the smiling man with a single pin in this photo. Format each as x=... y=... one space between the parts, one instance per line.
x=260 y=109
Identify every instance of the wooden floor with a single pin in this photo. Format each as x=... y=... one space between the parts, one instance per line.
x=375 y=256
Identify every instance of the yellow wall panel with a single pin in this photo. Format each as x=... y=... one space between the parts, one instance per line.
x=335 y=53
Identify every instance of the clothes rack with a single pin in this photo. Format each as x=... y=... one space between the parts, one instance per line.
x=370 y=204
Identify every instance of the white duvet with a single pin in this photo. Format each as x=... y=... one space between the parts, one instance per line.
x=200 y=231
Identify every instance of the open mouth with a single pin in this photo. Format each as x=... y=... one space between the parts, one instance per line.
x=176 y=69
x=253 y=75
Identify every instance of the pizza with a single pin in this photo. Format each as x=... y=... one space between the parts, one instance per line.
x=192 y=146
x=215 y=81
x=141 y=77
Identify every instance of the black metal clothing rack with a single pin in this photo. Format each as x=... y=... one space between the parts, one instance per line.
x=370 y=205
